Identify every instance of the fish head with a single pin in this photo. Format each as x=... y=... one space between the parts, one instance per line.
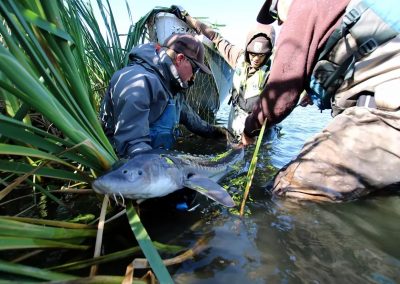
x=141 y=177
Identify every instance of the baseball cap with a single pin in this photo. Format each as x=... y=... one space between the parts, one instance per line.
x=190 y=46
x=268 y=12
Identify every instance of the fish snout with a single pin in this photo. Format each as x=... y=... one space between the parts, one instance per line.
x=99 y=187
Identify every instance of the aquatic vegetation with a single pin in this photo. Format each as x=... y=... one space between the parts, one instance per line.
x=55 y=65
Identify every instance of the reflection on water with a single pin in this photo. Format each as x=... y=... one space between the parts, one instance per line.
x=284 y=242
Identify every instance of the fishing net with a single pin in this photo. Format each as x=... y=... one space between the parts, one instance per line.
x=208 y=91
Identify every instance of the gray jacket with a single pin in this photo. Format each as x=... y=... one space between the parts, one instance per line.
x=137 y=96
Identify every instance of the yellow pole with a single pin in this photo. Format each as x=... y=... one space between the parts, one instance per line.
x=252 y=168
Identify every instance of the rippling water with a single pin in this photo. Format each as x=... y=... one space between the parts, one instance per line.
x=284 y=242
x=277 y=241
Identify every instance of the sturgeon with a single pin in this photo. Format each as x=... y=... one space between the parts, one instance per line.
x=160 y=172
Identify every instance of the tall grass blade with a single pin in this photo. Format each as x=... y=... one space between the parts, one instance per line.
x=12 y=243
x=252 y=168
x=17 y=228
x=33 y=272
x=148 y=249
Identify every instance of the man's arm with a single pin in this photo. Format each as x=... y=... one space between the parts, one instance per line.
x=194 y=123
x=229 y=51
x=297 y=48
x=131 y=98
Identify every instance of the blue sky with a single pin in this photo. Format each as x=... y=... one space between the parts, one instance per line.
x=238 y=15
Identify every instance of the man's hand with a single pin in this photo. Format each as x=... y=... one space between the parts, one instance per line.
x=247 y=140
x=305 y=99
x=179 y=12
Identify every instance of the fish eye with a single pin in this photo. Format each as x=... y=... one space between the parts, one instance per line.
x=140 y=173
x=125 y=171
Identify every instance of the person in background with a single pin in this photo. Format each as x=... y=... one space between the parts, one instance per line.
x=251 y=66
x=357 y=152
x=145 y=101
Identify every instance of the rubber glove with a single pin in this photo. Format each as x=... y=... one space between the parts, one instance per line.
x=179 y=12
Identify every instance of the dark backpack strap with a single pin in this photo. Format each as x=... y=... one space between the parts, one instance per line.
x=350 y=18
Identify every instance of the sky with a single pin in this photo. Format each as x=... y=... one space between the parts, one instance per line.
x=239 y=16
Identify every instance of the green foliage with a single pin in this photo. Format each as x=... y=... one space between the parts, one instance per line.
x=145 y=243
x=252 y=168
x=55 y=64
x=44 y=72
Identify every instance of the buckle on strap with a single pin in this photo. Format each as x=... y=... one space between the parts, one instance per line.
x=368 y=46
x=351 y=16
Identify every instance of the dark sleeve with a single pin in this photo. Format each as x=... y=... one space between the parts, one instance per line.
x=230 y=52
x=131 y=97
x=296 y=50
x=106 y=114
x=194 y=123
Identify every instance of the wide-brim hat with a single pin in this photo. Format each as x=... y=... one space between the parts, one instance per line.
x=190 y=46
x=264 y=16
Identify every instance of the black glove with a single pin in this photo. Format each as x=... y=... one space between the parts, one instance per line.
x=179 y=12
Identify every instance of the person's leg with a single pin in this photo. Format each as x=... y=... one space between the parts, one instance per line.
x=356 y=154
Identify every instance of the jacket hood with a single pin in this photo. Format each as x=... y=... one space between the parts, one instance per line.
x=260 y=30
x=153 y=56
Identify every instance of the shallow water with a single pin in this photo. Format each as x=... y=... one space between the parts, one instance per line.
x=279 y=241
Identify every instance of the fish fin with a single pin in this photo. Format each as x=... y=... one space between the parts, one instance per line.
x=210 y=189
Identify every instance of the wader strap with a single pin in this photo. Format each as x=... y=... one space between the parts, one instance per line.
x=346 y=69
x=349 y=19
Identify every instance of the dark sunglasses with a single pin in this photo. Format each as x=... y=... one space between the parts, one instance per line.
x=257 y=54
x=195 y=68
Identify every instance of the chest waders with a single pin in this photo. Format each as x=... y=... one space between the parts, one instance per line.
x=163 y=133
x=165 y=130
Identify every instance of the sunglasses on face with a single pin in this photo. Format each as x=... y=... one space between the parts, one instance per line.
x=195 y=68
x=257 y=54
x=260 y=55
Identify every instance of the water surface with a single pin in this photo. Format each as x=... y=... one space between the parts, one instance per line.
x=280 y=241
